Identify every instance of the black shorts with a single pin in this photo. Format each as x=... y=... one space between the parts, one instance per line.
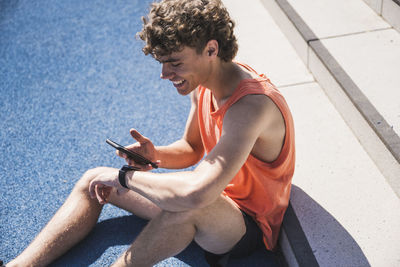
x=251 y=241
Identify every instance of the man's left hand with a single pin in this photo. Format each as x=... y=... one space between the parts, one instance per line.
x=101 y=186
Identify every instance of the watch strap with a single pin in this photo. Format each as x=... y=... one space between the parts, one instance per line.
x=122 y=174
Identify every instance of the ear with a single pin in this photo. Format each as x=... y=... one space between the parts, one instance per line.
x=211 y=48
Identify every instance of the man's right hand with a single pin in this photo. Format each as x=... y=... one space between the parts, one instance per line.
x=144 y=147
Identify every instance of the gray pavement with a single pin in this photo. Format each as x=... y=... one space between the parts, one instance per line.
x=345 y=191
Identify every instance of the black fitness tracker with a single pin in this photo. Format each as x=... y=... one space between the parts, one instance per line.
x=122 y=174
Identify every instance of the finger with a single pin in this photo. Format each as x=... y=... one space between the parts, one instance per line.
x=132 y=163
x=146 y=167
x=106 y=193
x=103 y=194
x=138 y=137
x=98 y=194
x=149 y=167
x=92 y=192
x=120 y=154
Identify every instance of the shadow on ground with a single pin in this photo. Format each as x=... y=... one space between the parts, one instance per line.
x=120 y=232
x=328 y=239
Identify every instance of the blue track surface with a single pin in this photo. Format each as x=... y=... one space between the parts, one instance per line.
x=71 y=75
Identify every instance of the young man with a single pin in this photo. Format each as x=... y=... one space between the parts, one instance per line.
x=234 y=200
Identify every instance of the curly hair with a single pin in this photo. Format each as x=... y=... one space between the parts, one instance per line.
x=173 y=24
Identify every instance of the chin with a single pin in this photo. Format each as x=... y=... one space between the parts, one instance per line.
x=186 y=91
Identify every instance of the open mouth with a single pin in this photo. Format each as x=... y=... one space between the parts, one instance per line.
x=178 y=83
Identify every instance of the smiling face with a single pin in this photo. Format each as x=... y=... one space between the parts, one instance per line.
x=186 y=69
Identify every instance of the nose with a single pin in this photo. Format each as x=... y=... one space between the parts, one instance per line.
x=166 y=73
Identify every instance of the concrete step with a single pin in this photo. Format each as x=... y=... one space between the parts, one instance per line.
x=353 y=54
x=345 y=207
x=348 y=212
x=388 y=9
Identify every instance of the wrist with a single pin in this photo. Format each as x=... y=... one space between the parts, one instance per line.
x=123 y=173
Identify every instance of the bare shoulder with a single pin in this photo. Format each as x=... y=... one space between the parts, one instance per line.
x=261 y=119
x=255 y=107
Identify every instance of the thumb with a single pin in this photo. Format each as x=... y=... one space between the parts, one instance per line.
x=138 y=137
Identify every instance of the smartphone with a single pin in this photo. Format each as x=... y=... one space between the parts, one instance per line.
x=133 y=155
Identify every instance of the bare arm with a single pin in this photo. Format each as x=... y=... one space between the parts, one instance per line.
x=244 y=123
x=189 y=149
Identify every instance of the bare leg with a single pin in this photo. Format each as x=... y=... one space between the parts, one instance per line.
x=69 y=225
x=74 y=220
x=216 y=228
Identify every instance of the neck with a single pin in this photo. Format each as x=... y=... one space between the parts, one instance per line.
x=224 y=78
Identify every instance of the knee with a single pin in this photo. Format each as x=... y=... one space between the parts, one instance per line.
x=87 y=177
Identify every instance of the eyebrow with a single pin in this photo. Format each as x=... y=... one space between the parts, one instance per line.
x=169 y=60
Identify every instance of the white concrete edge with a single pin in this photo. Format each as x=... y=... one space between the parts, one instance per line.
x=288 y=28
x=391 y=13
x=376 y=5
x=367 y=137
x=387 y=9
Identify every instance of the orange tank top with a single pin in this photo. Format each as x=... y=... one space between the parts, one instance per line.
x=260 y=189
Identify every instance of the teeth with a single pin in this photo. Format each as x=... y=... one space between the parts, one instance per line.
x=178 y=82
